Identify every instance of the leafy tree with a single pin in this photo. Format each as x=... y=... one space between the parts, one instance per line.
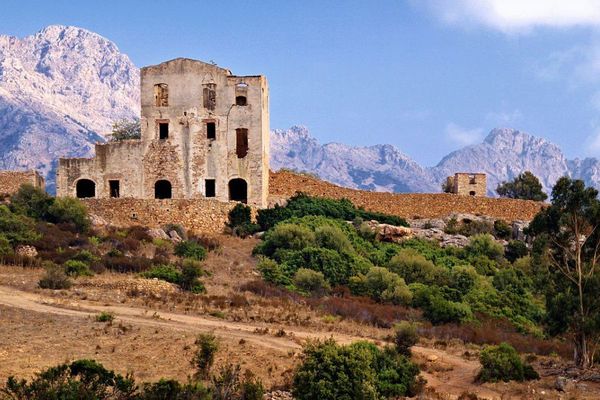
x=570 y=231
x=125 y=129
x=208 y=345
x=526 y=186
x=31 y=201
x=69 y=210
x=15 y=228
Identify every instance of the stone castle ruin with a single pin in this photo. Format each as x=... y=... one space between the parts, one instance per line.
x=204 y=134
x=468 y=184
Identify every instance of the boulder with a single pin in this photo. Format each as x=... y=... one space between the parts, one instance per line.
x=175 y=236
x=158 y=233
x=26 y=251
x=391 y=233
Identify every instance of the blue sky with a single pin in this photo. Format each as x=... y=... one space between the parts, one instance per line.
x=428 y=76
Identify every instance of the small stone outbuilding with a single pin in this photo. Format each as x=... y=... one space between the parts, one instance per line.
x=204 y=134
x=11 y=181
x=468 y=184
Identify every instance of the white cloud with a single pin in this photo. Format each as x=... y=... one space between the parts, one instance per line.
x=463 y=136
x=503 y=118
x=515 y=16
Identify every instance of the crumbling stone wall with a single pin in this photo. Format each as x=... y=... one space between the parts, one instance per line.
x=196 y=215
x=179 y=100
x=409 y=205
x=11 y=181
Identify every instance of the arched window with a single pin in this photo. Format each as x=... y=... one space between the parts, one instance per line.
x=85 y=188
x=162 y=189
x=161 y=95
x=238 y=190
x=472 y=193
x=241 y=93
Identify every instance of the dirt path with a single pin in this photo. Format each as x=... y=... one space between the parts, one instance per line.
x=458 y=378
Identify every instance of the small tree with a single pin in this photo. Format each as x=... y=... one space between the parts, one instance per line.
x=570 y=231
x=205 y=354
x=125 y=129
x=526 y=186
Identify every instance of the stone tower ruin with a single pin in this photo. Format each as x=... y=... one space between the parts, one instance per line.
x=205 y=133
x=468 y=184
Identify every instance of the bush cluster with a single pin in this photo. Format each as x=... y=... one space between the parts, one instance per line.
x=503 y=363
x=186 y=276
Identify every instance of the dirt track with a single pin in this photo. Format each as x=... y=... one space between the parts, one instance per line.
x=458 y=378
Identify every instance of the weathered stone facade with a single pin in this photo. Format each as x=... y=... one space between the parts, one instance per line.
x=205 y=133
x=468 y=184
x=11 y=181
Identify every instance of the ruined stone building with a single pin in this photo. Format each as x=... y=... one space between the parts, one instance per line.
x=11 y=181
x=205 y=133
x=468 y=184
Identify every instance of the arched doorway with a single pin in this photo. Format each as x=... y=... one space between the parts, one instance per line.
x=238 y=190
x=85 y=188
x=162 y=189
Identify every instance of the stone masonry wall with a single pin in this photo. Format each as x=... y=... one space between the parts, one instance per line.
x=467 y=184
x=409 y=205
x=11 y=181
x=197 y=215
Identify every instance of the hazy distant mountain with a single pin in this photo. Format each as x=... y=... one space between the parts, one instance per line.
x=61 y=89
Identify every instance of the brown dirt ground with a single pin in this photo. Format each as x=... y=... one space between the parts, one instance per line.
x=155 y=327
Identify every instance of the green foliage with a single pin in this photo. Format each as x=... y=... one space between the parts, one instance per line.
x=381 y=285
x=240 y=220
x=190 y=272
x=310 y=281
x=167 y=273
x=86 y=256
x=69 y=210
x=333 y=238
x=502 y=230
x=413 y=267
x=105 y=316
x=5 y=246
x=207 y=346
x=31 y=201
x=75 y=268
x=358 y=371
x=190 y=249
x=125 y=129
x=251 y=388
x=525 y=186
x=405 y=337
x=463 y=278
x=54 y=278
x=484 y=245
x=170 y=389
x=15 y=228
x=437 y=308
x=271 y=271
x=515 y=249
x=502 y=363
x=301 y=205
x=81 y=379
x=286 y=236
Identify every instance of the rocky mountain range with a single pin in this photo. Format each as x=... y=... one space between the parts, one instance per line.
x=61 y=89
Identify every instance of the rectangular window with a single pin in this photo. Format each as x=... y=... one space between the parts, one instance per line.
x=211 y=130
x=209 y=188
x=114 y=187
x=209 y=94
x=241 y=142
x=163 y=130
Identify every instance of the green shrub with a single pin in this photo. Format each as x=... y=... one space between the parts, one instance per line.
x=71 y=211
x=286 y=236
x=54 y=278
x=189 y=281
x=483 y=265
x=405 y=337
x=440 y=311
x=358 y=371
x=207 y=346
x=251 y=388
x=310 y=281
x=503 y=363
x=240 y=221
x=484 y=245
x=17 y=229
x=75 y=268
x=105 y=316
x=189 y=249
x=515 y=249
x=413 y=267
x=502 y=229
x=271 y=271
x=463 y=278
x=86 y=256
x=170 y=389
x=167 y=273
x=381 y=285
x=337 y=268
x=5 y=246
x=31 y=201
x=332 y=237
x=81 y=379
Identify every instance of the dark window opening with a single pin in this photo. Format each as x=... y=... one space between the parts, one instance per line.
x=211 y=130
x=209 y=94
x=162 y=189
x=209 y=188
x=241 y=142
x=114 y=187
x=240 y=101
x=85 y=188
x=238 y=190
x=472 y=193
x=163 y=130
x=472 y=179
x=161 y=95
